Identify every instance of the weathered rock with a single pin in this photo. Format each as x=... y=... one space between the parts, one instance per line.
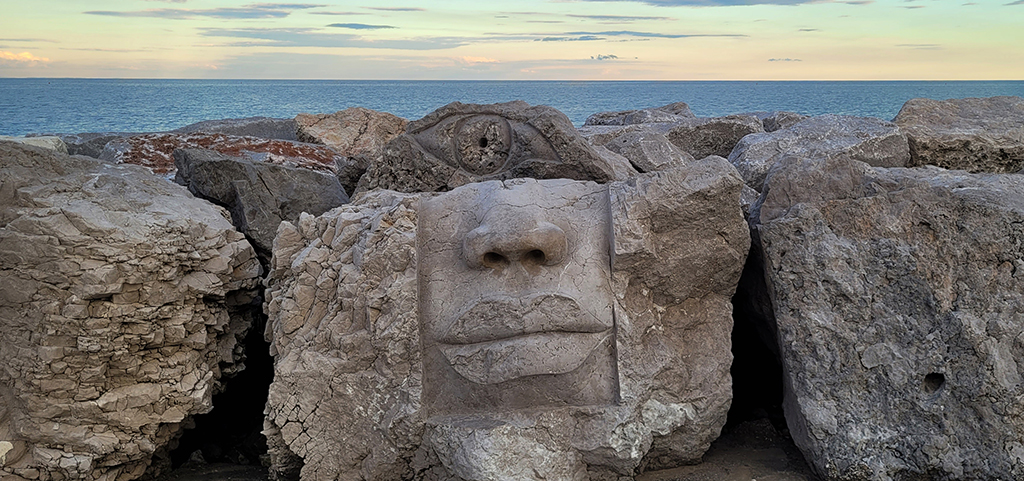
x=116 y=298
x=357 y=133
x=973 y=134
x=702 y=137
x=867 y=139
x=259 y=195
x=648 y=150
x=437 y=336
x=90 y=144
x=777 y=119
x=899 y=296
x=47 y=142
x=261 y=127
x=155 y=151
x=462 y=143
x=670 y=113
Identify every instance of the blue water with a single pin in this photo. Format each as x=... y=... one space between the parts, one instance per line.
x=127 y=105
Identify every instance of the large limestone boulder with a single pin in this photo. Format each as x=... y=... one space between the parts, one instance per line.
x=702 y=137
x=973 y=134
x=648 y=149
x=357 y=133
x=899 y=299
x=523 y=329
x=463 y=143
x=50 y=142
x=259 y=195
x=117 y=296
x=155 y=151
x=874 y=141
x=670 y=113
x=777 y=119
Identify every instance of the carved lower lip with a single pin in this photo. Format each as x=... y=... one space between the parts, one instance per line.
x=504 y=318
x=527 y=355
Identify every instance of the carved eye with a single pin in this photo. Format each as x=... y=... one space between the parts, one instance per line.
x=482 y=143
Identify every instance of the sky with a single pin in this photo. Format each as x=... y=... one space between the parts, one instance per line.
x=515 y=39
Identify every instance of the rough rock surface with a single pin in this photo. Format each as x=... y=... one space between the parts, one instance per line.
x=874 y=141
x=262 y=127
x=973 y=134
x=777 y=119
x=899 y=299
x=648 y=149
x=462 y=143
x=155 y=151
x=357 y=133
x=259 y=195
x=117 y=290
x=702 y=137
x=670 y=113
x=47 y=142
x=374 y=358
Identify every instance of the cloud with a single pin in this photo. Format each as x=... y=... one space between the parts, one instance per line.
x=717 y=3
x=584 y=38
x=475 y=60
x=1018 y=2
x=360 y=26
x=809 y=30
x=23 y=58
x=545 y=21
x=784 y=60
x=631 y=33
x=255 y=10
x=306 y=37
x=618 y=18
x=27 y=40
x=397 y=9
x=921 y=46
x=605 y=57
x=339 y=13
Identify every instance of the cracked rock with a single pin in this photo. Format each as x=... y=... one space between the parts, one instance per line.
x=120 y=296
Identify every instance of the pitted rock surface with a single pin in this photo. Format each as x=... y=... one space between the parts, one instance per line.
x=463 y=143
x=118 y=294
x=670 y=113
x=874 y=141
x=362 y=352
x=261 y=127
x=357 y=133
x=155 y=151
x=702 y=137
x=973 y=134
x=899 y=299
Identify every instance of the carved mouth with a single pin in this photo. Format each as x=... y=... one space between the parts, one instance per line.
x=497 y=340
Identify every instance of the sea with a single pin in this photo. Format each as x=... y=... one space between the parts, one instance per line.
x=63 y=105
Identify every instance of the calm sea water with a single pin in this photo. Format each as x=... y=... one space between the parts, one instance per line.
x=127 y=105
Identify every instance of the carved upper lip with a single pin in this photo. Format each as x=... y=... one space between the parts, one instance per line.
x=497 y=318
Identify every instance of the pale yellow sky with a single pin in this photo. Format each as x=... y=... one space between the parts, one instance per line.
x=525 y=39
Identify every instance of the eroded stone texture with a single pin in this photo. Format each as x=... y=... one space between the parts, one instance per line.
x=155 y=151
x=47 y=142
x=259 y=195
x=702 y=137
x=462 y=143
x=777 y=119
x=384 y=371
x=899 y=299
x=648 y=149
x=117 y=290
x=867 y=139
x=262 y=127
x=972 y=134
x=357 y=133
x=670 y=113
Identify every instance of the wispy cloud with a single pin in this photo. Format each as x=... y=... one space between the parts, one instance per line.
x=1018 y=2
x=23 y=58
x=921 y=46
x=717 y=3
x=545 y=21
x=27 y=40
x=307 y=37
x=339 y=13
x=632 y=33
x=255 y=10
x=397 y=9
x=784 y=60
x=584 y=38
x=360 y=26
x=605 y=57
x=809 y=30
x=618 y=18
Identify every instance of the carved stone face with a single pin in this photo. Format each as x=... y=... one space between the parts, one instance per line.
x=515 y=297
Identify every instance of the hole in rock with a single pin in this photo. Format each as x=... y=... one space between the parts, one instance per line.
x=933 y=382
x=756 y=368
x=493 y=259
x=232 y=431
x=535 y=256
x=483 y=142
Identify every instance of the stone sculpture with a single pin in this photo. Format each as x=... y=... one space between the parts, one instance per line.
x=518 y=329
x=462 y=143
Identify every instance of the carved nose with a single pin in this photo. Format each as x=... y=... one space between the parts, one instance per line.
x=499 y=242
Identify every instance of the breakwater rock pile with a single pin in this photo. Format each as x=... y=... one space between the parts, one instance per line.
x=491 y=293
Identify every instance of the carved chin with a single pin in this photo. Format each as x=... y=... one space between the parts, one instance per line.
x=528 y=355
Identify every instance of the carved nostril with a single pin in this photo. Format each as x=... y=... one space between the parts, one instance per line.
x=535 y=256
x=493 y=260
